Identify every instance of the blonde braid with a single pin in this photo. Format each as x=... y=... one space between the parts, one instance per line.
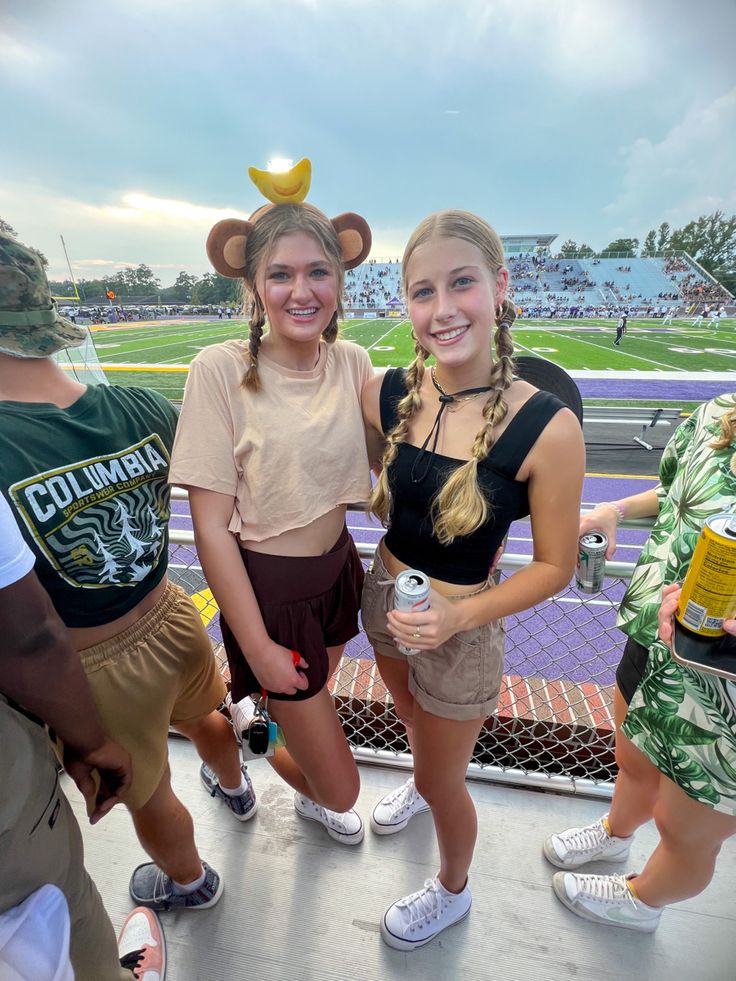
x=255 y=333
x=460 y=506
x=380 y=499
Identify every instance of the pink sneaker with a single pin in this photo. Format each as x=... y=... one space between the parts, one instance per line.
x=142 y=946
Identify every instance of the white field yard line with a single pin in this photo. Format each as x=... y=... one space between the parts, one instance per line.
x=174 y=336
x=369 y=331
x=178 y=342
x=390 y=331
x=709 y=354
x=136 y=345
x=681 y=340
x=170 y=330
x=600 y=347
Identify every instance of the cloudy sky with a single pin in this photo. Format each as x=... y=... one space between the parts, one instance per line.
x=129 y=125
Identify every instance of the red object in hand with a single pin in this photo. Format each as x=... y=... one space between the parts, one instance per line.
x=296 y=658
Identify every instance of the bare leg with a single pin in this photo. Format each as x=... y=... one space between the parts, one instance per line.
x=637 y=783
x=691 y=835
x=443 y=750
x=395 y=676
x=165 y=829
x=317 y=761
x=215 y=741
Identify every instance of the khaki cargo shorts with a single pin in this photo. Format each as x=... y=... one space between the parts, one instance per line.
x=461 y=679
x=159 y=672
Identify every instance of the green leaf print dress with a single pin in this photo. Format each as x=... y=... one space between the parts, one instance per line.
x=684 y=721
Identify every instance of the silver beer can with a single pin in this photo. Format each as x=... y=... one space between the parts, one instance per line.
x=411 y=595
x=591 y=564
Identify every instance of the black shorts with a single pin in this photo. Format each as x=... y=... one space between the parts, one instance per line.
x=631 y=668
x=308 y=603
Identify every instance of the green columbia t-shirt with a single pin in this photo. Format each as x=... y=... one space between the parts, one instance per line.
x=88 y=485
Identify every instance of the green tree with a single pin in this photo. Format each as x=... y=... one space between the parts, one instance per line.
x=213 y=288
x=711 y=241
x=181 y=291
x=663 y=236
x=650 y=243
x=585 y=251
x=7 y=229
x=569 y=249
x=622 y=246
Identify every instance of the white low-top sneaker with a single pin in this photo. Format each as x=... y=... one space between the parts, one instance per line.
x=394 y=811
x=416 y=919
x=346 y=828
x=578 y=846
x=605 y=899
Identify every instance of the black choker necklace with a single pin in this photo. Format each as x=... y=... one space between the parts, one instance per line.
x=446 y=398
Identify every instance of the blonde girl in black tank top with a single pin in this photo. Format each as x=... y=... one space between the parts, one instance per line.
x=451 y=417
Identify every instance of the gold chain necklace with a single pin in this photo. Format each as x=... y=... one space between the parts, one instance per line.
x=466 y=396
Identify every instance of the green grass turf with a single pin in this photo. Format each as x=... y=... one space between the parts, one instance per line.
x=576 y=344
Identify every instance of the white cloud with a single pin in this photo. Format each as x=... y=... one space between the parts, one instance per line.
x=23 y=61
x=686 y=174
x=140 y=208
x=164 y=233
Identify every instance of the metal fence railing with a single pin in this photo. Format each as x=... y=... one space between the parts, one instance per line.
x=554 y=724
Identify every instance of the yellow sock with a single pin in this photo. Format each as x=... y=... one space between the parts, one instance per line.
x=632 y=889
x=607 y=826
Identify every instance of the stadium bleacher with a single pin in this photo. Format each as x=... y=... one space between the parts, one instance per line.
x=547 y=286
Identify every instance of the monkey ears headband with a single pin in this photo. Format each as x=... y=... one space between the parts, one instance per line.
x=228 y=240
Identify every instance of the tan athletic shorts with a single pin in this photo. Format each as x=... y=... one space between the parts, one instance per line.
x=461 y=679
x=158 y=672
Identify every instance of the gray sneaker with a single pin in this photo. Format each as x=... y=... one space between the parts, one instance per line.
x=151 y=887
x=577 y=846
x=244 y=806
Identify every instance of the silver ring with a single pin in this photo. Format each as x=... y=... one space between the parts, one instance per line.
x=416 y=635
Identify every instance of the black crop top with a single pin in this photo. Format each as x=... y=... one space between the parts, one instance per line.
x=410 y=535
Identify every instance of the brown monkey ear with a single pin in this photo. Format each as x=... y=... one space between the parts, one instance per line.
x=226 y=246
x=355 y=238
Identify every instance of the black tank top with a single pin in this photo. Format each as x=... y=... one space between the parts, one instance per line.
x=410 y=535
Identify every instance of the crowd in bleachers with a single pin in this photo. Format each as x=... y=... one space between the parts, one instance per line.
x=547 y=287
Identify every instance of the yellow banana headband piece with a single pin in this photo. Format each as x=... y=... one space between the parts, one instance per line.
x=285 y=187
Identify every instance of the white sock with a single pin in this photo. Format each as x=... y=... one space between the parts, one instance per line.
x=241 y=789
x=185 y=889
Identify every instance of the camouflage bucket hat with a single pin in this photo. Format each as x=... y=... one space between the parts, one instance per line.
x=30 y=324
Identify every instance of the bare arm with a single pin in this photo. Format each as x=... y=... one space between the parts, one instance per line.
x=223 y=567
x=605 y=517
x=375 y=440
x=555 y=485
x=40 y=670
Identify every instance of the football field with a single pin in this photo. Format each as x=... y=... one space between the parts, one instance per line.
x=157 y=354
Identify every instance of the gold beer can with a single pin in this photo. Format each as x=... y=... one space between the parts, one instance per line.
x=709 y=592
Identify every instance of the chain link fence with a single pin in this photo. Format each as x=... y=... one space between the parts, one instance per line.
x=554 y=723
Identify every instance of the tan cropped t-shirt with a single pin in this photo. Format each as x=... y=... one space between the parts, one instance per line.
x=289 y=453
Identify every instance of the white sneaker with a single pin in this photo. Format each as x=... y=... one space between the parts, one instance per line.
x=416 y=919
x=577 y=846
x=346 y=828
x=394 y=811
x=605 y=899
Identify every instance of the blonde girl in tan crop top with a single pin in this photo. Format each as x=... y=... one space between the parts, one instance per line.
x=271 y=447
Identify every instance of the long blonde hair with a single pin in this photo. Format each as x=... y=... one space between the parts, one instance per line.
x=460 y=506
x=284 y=219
